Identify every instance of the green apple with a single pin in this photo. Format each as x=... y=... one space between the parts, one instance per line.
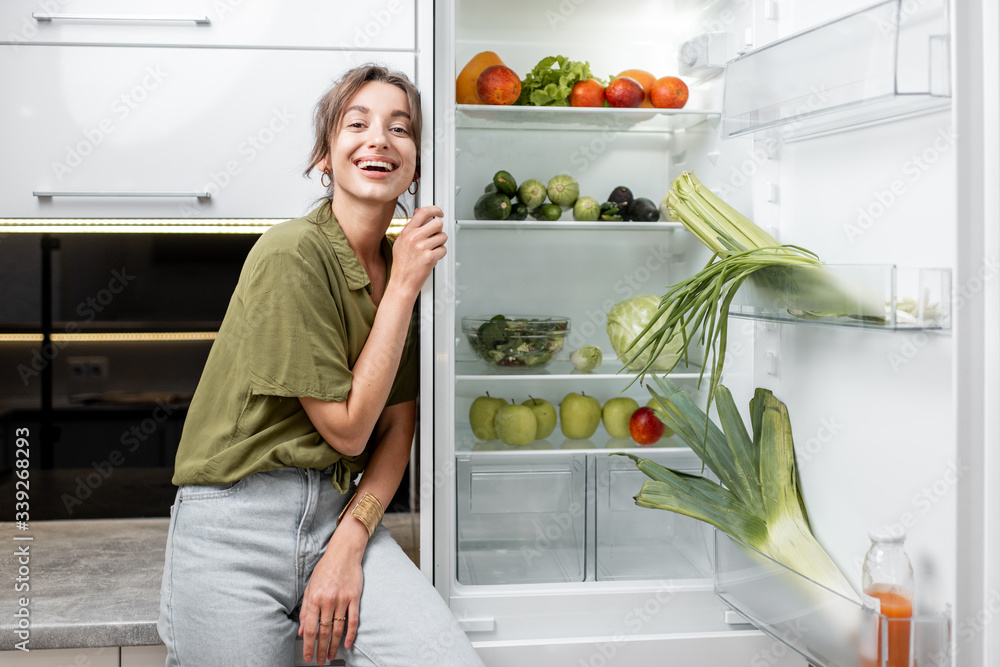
x=655 y=405
x=579 y=416
x=545 y=414
x=483 y=414
x=516 y=425
x=616 y=413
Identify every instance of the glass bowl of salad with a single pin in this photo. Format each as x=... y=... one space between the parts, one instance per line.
x=516 y=342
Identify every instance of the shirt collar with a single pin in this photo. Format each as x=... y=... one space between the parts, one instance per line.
x=355 y=274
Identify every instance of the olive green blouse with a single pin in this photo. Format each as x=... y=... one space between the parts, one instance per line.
x=297 y=321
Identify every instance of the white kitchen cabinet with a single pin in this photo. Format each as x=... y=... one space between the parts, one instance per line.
x=144 y=656
x=61 y=657
x=309 y=24
x=149 y=132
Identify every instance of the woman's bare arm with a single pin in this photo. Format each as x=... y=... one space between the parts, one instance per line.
x=346 y=425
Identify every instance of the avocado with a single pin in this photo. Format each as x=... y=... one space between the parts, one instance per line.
x=492 y=206
x=623 y=197
x=643 y=210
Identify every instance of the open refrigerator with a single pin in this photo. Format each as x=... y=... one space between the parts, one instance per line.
x=854 y=129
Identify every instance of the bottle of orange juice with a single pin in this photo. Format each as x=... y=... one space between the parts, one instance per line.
x=888 y=576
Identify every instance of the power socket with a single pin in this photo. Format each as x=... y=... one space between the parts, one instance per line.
x=88 y=370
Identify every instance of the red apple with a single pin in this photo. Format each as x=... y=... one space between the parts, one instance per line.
x=645 y=427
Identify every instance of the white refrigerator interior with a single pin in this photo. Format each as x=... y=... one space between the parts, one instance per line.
x=833 y=127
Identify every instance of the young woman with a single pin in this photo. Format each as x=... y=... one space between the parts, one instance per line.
x=311 y=380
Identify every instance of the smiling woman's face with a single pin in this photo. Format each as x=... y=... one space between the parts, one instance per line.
x=373 y=155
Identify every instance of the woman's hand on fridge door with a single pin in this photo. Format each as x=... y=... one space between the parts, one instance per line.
x=333 y=595
x=419 y=247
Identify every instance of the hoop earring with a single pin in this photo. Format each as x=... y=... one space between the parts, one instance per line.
x=329 y=179
x=416 y=189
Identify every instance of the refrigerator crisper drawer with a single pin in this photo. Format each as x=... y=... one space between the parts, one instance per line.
x=641 y=543
x=521 y=522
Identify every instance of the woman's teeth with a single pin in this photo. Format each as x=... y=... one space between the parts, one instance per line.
x=373 y=164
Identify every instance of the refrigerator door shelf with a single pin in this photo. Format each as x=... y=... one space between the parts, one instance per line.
x=824 y=627
x=870 y=296
x=884 y=62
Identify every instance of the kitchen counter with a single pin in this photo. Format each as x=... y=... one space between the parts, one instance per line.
x=96 y=582
x=93 y=582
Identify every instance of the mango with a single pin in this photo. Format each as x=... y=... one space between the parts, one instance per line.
x=465 y=84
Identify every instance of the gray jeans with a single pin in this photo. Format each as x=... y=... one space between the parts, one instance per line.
x=239 y=557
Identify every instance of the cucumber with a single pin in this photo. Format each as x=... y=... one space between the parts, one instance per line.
x=518 y=211
x=505 y=183
x=547 y=212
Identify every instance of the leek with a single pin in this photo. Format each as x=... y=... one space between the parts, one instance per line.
x=741 y=250
x=758 y=500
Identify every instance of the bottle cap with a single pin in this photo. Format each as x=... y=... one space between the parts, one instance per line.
x=884 y=536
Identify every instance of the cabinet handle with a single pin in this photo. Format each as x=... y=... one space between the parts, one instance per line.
x=199 y=195
x=42 y=16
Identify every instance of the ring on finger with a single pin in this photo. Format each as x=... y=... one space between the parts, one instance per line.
x=327 y=624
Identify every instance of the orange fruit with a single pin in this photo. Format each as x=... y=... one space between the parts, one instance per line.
x=645 y=80
x=465 y=84
x=498 y=85
x=589 y=93
x=624 y=92
x=669 y=92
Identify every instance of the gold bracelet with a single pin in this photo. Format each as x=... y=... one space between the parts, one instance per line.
x=368 y=511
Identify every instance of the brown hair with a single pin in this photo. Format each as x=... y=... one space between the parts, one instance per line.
x=330 y=109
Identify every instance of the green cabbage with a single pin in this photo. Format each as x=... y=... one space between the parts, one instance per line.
x=627 y=320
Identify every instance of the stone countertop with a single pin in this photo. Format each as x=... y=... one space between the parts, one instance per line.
x=93 y=582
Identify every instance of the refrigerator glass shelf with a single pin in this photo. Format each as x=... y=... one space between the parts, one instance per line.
x=527 y=225
x=884 y=62
x=597 y=119
x=474 y=369
x=467 y=444
x=822 y=626
x=870 y=296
